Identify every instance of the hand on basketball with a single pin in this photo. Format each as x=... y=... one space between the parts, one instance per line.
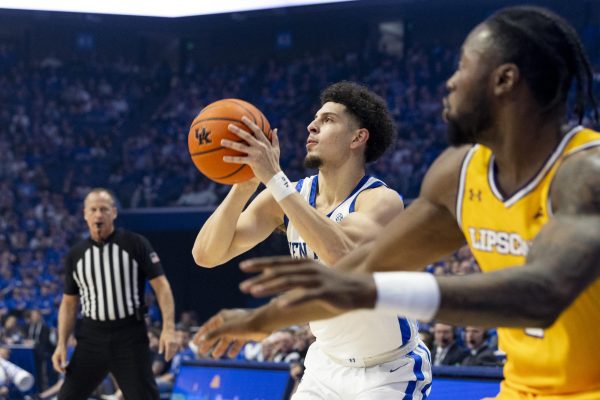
x=59 y=359
x=227 y=332
x=302 y=281
x=168 y=344
x=262 y=154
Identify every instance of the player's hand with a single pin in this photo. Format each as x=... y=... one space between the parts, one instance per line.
x=227 y=332
x=59 y=359
x=262 y=154
x=302 y=281
x=168 y=344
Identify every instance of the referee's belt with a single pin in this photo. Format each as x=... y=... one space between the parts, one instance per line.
x=371 y=361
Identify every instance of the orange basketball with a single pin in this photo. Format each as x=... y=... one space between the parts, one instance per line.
x=206 y=132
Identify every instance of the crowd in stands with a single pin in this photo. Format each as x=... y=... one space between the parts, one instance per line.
x=67 y=126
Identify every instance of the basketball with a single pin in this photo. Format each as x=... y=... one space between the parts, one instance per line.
x=210 y=127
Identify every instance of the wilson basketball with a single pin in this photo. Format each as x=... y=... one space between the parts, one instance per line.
x=206 y=132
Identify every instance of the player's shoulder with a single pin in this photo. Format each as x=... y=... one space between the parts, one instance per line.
x=381 y=197
x=451 y=159
x=576 y=185
x=440 y=183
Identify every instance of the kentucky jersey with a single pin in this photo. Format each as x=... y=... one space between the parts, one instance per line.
x=559 y=361
x=359 y=333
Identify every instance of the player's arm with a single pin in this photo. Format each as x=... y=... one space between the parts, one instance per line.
x=563 y=261
x=425 y=231
x=332 y=240
x=231 y=230
x=416 y=237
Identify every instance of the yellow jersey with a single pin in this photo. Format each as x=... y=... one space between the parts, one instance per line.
x=562 y=361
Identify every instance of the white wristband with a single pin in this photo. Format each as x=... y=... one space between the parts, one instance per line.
x=280 y=186
x=410 y=294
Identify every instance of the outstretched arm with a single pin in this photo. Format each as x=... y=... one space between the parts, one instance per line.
x=425 y=231
x=416 y=237
x=563 y=261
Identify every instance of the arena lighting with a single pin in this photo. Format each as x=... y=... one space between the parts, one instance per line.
x=156 y=8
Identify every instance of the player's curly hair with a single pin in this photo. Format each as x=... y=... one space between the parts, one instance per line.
x=548 y=53
x=371 y=112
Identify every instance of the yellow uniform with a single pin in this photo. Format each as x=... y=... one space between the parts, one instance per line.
x=562 y=361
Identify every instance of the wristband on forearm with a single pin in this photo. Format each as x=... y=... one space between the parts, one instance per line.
x=280 y=186
x=410 y=294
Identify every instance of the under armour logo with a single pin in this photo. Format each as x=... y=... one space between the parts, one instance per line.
x=539 y=213
x=339 y=217
x=474 y=195
x=352 y=360
x=203 y=136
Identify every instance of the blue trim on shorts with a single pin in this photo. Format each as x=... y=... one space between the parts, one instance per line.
x=426 y=350
x=424 y=391
x=417 y=370
x=405 y=330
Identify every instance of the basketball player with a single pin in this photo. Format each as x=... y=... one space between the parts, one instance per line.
x=525 y=195
x=365 y=355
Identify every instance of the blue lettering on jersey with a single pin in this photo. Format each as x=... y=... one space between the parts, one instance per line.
x=298 y=250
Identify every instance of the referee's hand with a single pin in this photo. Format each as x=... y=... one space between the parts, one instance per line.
x=59 y=359
x=169 y=344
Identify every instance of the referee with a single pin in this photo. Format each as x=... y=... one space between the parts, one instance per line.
x=108 y=273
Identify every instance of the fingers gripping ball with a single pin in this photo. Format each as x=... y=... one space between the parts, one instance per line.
x=210 y=127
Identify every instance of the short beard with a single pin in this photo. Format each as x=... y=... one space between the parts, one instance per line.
x=456 y=135
x=312 y=162
x=469 y=129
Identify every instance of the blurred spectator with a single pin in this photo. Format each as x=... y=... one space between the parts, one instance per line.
x=480 y=353
x=11 y=331
x=187 y=319
x=38 y=333
x=446 y=350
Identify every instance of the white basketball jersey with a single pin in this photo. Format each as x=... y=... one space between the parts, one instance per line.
x=358 y=333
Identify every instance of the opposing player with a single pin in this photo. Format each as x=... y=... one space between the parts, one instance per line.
x=525 y=196
x=364 y=355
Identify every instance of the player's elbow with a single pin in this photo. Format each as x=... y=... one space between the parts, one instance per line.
x=202 y=260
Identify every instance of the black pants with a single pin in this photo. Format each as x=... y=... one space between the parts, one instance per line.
x=120 y=348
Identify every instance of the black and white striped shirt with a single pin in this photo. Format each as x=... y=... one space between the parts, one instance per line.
x=110 y=277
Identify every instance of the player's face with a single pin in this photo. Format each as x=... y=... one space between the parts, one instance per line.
x=467 y=107
x=99 y=213
x=329 y=135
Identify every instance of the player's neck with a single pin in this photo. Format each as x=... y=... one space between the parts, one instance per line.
x=522 y=147
x=336 y=183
